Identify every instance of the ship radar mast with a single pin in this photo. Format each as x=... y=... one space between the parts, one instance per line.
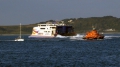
x=93 y=27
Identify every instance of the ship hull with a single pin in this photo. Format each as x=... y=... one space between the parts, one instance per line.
x=36 y=36
x=65 y=34
x=68 y=34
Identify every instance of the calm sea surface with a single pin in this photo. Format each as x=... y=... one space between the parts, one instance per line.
x=60 y=52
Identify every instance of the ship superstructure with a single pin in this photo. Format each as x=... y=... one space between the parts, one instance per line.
x=51 y=30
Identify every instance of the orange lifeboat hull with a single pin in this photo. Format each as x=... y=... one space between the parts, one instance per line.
x=93 y=35
x=91 y=38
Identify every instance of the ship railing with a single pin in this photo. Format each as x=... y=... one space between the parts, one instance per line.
x=51 y=24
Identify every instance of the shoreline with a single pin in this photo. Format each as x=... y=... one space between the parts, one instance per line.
x=13 y=34
x=77 y=33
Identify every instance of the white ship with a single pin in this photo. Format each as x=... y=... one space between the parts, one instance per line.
x=51 y=31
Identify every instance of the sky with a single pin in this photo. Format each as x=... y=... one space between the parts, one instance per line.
x=14 y=12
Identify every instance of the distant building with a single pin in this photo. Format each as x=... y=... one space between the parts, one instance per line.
x=110 y=29
x=70 y=20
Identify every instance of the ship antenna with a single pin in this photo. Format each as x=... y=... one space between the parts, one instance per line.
x=93 y=27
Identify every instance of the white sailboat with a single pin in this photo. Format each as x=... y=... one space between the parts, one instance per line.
x=19 y=38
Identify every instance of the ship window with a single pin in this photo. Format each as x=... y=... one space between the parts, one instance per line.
x=43 y=25
x=53 y=27
x=42 y=28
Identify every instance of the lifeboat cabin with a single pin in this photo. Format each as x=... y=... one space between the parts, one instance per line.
x=93 y=35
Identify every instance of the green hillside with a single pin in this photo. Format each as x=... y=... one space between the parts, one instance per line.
x=81 y=25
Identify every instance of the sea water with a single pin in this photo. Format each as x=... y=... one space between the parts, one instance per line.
x=60 y=52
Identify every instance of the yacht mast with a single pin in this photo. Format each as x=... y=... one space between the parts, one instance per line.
x=20 y=30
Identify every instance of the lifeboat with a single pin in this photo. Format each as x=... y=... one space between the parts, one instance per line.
x=93 y=34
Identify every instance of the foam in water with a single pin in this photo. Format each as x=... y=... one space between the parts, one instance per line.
x=59 y=36
x=111 y=36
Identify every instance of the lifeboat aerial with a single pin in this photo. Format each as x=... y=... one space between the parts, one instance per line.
x=93 y=34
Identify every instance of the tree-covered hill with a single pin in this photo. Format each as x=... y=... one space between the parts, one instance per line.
x=81 y=25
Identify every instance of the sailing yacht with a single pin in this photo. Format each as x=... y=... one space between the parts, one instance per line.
x=19 y=38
